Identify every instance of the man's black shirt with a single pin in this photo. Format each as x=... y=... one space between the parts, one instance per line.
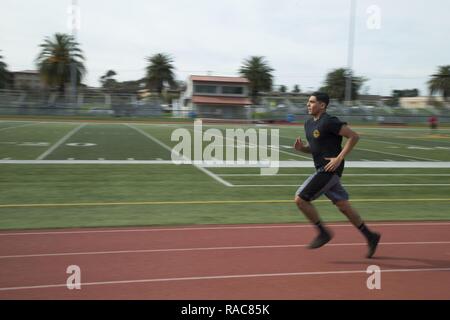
x=324 y=140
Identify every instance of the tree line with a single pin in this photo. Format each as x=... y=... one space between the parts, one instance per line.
x=61 y=53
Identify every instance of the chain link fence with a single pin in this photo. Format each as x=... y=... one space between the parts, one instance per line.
x=271 y=109
x=16 y=102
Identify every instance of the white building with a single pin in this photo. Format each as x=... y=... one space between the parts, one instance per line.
x=216 y=97
x=28 y=79
x=418 y=102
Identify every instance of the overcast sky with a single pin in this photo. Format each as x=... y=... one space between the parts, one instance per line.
x=398 y=44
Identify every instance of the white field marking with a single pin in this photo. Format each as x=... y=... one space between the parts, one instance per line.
x=232 y=164
x=386 y=142
x=103 y=122
x=149 y=136
x=386 y=152
x=402 y=144
x=253 y=145
x=130 y=159
x=378 y=152
x=214 y=176
x=221 y=277
x=375 y=224
x=159 y=203
x=87 y=162
x=289 y=127
x=294 y=154
x=423 y=139
x=397 y=155
x=296 y=128
x=290 y=138
x=402 y=129
x=281 y=246
x=23 y=125
x=348 y=164
x=35 y=121
x=61 y=141
x=165 y=146
x=355 y=185
x=346 y=174
x=364 y=138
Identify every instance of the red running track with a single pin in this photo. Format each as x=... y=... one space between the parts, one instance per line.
x=267 y=262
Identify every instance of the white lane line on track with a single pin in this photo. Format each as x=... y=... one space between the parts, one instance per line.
x=222 y=277
x=405 y=224
x=212 y=249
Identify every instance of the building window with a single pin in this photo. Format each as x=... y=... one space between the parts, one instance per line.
x=232 y=90
x=205 y=89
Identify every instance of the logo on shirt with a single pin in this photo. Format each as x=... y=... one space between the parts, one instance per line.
x=316 y=133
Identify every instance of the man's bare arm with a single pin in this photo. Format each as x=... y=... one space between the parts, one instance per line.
x=352 y=140
x=300 y=146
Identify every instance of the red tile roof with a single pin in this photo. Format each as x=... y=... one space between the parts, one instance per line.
x=221 y=100
x=220 y=79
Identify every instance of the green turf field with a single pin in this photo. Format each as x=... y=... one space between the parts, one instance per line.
x=98 y=193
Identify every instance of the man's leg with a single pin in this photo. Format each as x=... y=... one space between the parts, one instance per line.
x=351 y=214
x=308 y=209
x=312 y=188
x=372 y=237
x=311 y=213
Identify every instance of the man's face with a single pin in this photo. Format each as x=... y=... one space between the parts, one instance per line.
x=315 y=107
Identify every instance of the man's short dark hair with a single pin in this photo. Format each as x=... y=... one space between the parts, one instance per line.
x=322 y=97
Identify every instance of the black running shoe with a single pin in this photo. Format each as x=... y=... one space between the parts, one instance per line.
x=320 y=240
x=373 y=243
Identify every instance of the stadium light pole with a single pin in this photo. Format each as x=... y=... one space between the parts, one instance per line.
x=351 y=38
x=73 y=67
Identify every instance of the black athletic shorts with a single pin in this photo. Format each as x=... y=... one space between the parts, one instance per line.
x=321 y=182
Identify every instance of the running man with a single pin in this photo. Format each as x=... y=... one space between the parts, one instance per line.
x=324 y=134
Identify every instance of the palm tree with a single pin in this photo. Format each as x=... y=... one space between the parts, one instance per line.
x=56 y=58
x=4 y=74
x=296 y=89
x=440 y=82
x=107 y=80
x=160 y=71
x=335 y=84
x=258 y=72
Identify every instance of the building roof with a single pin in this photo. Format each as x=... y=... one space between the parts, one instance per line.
x=219 y=79
x=221 y=100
